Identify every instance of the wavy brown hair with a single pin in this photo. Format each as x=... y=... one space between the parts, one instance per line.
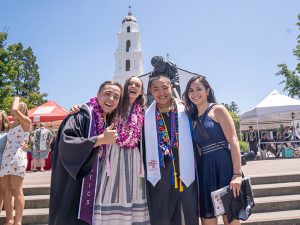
x=125 y=101
x=191 y=108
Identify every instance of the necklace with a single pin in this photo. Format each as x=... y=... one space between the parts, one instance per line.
x=129 y=130
x=100 y=120
x=167 y=144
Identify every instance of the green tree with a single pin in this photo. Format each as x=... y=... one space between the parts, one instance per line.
x=292 y=77
x=19 y=75
x=233 y=111
x=233 y=107
x=5 y=86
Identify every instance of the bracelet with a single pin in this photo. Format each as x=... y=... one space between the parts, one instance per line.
x=237 y=174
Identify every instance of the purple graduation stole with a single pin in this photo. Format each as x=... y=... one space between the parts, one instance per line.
x=89 y=182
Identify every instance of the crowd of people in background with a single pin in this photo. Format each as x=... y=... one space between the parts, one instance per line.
x=273 y=141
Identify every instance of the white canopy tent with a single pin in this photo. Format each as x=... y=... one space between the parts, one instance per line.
x=271 y=112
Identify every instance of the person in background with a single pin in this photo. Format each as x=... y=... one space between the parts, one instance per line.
x=287 y=134
x=219 y=158
x=4 y=126
x=52 y=145
x=41 y=145
x=30 y=146
x=278 y=146
x=252 y=139
x=14 y=162
x=264 y=138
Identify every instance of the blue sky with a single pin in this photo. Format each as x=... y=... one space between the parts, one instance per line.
x=236 y=44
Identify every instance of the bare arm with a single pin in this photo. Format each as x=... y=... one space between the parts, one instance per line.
x=23 y=119
x=227 y=124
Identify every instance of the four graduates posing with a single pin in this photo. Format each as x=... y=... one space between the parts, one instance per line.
x=115 y=163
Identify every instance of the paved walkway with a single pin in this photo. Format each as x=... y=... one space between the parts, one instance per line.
x=253 y=168
x=272 y=166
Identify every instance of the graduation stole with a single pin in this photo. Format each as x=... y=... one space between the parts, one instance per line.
x=168 y=143
x=89 y=182
x=100 y=120
x=129 y=130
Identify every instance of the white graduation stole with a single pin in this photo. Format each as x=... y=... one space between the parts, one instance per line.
x=186 y=150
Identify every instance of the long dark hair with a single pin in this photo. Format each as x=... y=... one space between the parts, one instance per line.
x=123 y=110
x=113 y=114
x=191 y=108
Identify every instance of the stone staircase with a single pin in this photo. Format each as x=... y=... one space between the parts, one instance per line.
x=36 y=205
x=277 y=199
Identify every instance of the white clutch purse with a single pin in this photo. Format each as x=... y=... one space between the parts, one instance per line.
x=217 y=201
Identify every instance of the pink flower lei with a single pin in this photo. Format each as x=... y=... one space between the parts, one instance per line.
x=99 y=119
x=129 y=131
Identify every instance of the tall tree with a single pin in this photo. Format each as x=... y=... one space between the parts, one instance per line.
x=292 y=77
x=5 y=86
x=20 y=75
x=233 y=107
x=233 y=111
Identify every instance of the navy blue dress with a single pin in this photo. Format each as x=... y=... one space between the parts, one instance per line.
x=214 y=166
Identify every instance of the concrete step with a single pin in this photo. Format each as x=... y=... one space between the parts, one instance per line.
x=291 y=217
x=276 y=203
x=34 y=189
x=31 y=216
x=278 y=178
x=37 y=201
x=276 y=189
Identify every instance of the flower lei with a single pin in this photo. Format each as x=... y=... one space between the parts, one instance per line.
x=99 y=119
x=129 y=131
x=167 y=144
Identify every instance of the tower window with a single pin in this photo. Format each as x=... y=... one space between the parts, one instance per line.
x=128 y=29
x=127 y=65
x=128 y=44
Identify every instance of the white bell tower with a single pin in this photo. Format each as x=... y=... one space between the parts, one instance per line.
x=128 y=55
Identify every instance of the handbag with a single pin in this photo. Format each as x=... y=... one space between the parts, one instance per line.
x=239 y=207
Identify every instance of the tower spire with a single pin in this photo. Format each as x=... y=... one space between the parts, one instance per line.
x=129 y=11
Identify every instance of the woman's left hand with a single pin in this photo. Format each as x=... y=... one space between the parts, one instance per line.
x=24 y=146
x=235 y=185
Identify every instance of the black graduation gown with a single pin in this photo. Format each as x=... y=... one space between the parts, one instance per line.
x=165 y=203
x=72 y=160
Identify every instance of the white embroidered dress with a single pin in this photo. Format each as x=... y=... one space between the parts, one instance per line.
x=14 y=159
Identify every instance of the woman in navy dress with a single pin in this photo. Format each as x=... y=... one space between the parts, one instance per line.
x=219 y=160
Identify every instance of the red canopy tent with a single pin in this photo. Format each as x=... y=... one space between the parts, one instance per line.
x=49 y=111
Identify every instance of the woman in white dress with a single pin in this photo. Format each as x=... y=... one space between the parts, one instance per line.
x=4 y=125
x=121 y=197
x=14 y=162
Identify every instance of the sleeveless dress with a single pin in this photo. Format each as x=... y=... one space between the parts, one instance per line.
x=14 y=159
x=3 y=139
x=214 y=166
x=121 y=198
